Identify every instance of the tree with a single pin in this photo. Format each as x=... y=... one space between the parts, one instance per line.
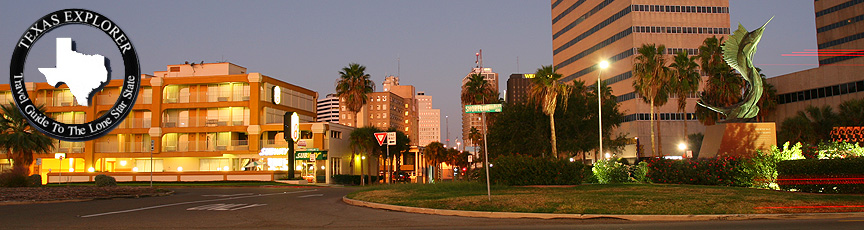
x=520 y=129
x=851 y=113
x=21 y=141
x=396 y=151
x=813 y=125
x=685 y=81
x=651 y=82
x=362 y=140
x=478 y=91
x=768 y=102
x=353 y=88
x=435 y=155
x=476 y=137
x=545 y=92
x=723 y=87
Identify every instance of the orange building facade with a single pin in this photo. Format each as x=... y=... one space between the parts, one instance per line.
x=198 y=117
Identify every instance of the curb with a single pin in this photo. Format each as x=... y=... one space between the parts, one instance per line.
x=168 y=193
x=515 y=215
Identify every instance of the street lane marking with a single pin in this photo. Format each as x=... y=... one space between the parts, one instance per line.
x=193 y=202
x=304 y=196
x=224 y=195
x=223 y=207
x=851 y=220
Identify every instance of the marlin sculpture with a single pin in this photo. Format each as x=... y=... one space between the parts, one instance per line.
x=738 y=53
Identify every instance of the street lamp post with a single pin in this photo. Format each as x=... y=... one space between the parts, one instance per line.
x=603 y=65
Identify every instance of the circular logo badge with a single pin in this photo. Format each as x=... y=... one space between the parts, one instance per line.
x=73 y=73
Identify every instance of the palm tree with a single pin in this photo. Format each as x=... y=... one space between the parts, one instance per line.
x=476 y=137
x=353 y=88
x=435 y=155
x=362 y=140
x=21 y=141
x=723 y=87
x=545 y=92
x=768 y=102
x=851 y=112
x=685 y=81
x=478 y=91
x=651 y=81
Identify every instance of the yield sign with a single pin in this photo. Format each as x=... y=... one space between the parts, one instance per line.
x=380 y=137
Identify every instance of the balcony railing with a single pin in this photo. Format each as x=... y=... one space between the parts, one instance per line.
x=187 y=122
x=204 y=97
x=134 y=123
x=128 y=147
x=206 y=146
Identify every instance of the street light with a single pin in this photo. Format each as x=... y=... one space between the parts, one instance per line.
x=682 y=146
x=603 y=65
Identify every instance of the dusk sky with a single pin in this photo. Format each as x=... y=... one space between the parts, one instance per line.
x=306 y=43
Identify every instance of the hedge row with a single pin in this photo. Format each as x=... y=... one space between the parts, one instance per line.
x=715 y=171
x=841 y=175
x=526 y=170
x=353 y=179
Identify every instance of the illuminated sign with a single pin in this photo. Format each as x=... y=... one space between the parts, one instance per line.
x=277 y=95
x=529 y=75
x=274 y=151
x=295 y=126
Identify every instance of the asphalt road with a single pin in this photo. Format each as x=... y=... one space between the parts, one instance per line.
x=311 y=208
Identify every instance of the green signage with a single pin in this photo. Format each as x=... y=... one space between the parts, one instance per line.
x=306 y=155
x=486 y=108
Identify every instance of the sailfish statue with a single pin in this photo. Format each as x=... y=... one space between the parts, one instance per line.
x=738 y=53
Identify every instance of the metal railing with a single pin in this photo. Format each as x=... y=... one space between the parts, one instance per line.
x=127 y=147
x=205 y=146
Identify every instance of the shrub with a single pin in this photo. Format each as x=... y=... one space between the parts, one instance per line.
x=34 y=180
x=526 y=170
x=352 y=179
x=640 y=172
x=12 y=179
x=588 y=175
x=611 y=171
x=103 y=180
x=822 y=175
x=829 y=150
x=715 y=171
x=762 y=167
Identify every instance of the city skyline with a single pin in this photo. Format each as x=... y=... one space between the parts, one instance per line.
x=306 y=43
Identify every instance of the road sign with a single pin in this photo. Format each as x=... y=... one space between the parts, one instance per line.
x=470 y=158
x=485 y=108
x=391 y=138
x=380 y=137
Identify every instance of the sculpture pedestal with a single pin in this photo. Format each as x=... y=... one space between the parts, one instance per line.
x=737 y=139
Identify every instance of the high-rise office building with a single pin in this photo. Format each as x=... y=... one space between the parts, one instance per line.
x=839 y=31
x=470 y=120
x=518 y=87
x=585 y=33
x=838 y=78
x=328 y=109
x=429 y=120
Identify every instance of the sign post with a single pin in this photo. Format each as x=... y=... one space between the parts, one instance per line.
x=380 y=137
x=391 y=140
x=483 y=109
x=152 y=148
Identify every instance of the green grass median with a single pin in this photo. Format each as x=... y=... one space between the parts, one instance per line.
x=660 y=199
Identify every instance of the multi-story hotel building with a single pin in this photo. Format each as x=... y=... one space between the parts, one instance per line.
x=470 y=120
x=840 y=36
x=328 y=109
x=429 y=120
x=199 y=117
x=518 y=86
x=587 y=32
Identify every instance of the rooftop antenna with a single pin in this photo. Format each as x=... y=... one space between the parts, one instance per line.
x=398 y=67
x=517 y=64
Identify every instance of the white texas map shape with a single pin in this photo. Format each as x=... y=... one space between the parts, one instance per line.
x=81 y=72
